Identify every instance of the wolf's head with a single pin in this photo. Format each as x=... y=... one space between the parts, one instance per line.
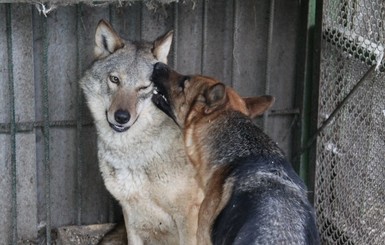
x=188 y=99
x=117 y=86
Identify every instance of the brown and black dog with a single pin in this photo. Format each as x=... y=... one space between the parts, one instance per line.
x=252 y=194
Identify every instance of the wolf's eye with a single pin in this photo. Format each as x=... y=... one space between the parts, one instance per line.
x=144 y=87
x=114 y=79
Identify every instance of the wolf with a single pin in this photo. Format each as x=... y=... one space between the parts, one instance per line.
x=140 y=149
x=252 y=195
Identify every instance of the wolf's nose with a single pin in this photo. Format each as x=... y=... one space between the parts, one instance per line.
x=122 y=116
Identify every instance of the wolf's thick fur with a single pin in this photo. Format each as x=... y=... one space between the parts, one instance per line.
x=140 y=149
x=252 y=194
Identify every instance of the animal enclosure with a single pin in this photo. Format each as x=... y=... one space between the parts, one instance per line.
x=49 y=177
x=350 y=173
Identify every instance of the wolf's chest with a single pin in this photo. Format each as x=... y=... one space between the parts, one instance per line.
x=123 y=182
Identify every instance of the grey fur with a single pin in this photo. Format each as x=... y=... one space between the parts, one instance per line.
x=142 y=161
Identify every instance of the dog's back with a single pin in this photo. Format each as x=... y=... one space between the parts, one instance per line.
x=252 y=194
x=268 y=202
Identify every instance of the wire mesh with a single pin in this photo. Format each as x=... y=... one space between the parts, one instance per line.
x=349 y=196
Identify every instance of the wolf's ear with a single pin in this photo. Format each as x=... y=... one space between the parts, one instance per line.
x=162 y=47
x=215 y=96
x=107 y=40
x=258 y=105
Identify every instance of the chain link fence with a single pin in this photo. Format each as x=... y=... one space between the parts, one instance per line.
x=350 y=170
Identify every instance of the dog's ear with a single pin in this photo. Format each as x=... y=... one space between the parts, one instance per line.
x=215 y=96
x=258 y=105
x=162 y=47
x=107 y=40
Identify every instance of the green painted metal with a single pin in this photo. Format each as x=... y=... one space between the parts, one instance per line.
x=307 y=92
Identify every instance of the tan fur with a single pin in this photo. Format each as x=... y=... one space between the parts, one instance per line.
x=217 y=191
x=196 y=104
x=252 y=194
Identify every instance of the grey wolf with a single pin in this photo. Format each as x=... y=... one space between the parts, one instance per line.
x=252 y=194
x=140 y=149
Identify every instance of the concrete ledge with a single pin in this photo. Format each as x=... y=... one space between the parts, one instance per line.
x=82 y=235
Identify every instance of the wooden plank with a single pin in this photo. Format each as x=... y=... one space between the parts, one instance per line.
x=62 y=84
x=218 y=40
x=96 y=202
x=250 y=39
x=126 y=20
x=283 y=72
x=22 y=37
x=89 y=19
x=189 y=37
x=283 y=58
x=62 y=65
x=40 y=168
x=24 y=111
x=5 y=186
x=280 y=129
x=5 y=147
x=4 y=92
x=156 y=22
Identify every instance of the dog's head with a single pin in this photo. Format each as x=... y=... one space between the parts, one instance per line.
x=190 y=98
x=118 y=86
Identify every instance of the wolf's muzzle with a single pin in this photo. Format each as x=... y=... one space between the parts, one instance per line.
x=122 y=116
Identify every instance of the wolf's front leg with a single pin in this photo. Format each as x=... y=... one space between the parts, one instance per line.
x=188 y=225
x=187 y=230
x=132 y=236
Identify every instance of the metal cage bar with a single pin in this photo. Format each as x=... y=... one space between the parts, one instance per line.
x=79 y=126
x=268 y=59
x=46 y=129
x=12 y=122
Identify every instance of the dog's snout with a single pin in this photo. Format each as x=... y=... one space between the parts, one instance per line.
x=161 y=70
x=122 y=116
x=160 y=66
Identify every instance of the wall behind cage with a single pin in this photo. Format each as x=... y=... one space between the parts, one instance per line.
x=48 y=172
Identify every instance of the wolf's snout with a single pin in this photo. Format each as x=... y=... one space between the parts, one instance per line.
x=122 y=116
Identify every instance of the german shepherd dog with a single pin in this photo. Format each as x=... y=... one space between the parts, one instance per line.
x=140 y=149
x=252 y=194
